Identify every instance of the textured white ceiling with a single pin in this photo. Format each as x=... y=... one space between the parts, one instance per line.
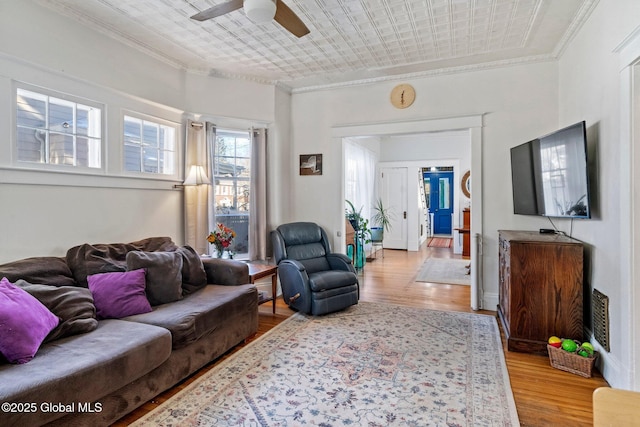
x=350 y=40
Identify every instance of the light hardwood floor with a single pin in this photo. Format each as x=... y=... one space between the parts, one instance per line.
x=544 y=396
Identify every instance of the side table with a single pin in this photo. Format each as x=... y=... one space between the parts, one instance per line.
x=258 y=271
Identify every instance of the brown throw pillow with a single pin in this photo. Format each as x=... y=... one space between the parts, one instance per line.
x=50 y=270
x=193 y=275
x=164 y=274
x=86 y=259
x=73 y=305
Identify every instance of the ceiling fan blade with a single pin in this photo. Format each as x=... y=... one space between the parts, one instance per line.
x=289 y=20
x=218 y=10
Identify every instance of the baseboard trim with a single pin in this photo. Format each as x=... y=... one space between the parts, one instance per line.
x=490 y=301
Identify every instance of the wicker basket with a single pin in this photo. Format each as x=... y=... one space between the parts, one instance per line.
x=571 y=362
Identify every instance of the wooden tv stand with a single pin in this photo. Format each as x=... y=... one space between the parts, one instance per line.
x=540 y=289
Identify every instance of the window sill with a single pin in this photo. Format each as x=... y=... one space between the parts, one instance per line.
x=84 y=178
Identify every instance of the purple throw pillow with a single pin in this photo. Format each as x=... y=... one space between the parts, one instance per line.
x=119 y=294
x=24 y=323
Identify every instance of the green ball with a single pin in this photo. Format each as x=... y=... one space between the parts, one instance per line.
x=588 y=347
x=569 y=345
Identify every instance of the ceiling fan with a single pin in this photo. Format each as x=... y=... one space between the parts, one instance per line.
x=259 y=11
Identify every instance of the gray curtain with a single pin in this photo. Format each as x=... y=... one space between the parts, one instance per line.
x=197 y=198
x=211 y=206
x=258 y=197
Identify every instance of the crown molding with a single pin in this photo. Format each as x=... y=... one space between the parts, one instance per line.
x=431 y=73
x=288 y=86
x=582 y=16
x=111 y=32
x=246 y=77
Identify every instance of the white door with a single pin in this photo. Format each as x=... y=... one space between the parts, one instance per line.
x=394 y=196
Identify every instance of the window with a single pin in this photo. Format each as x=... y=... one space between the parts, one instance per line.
x=149 y=146
x=57 y=131
x=360 y=176
x=232 y=172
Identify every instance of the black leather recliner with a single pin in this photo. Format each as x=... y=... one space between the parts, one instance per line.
x=313 y=279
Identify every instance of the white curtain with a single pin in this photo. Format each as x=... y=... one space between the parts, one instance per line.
x=360 y=177
x=258 y=197
x=197 y=198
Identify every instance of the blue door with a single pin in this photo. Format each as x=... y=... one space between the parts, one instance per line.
x=440 y=190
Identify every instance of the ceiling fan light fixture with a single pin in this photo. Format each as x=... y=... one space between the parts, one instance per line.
x=260 y=11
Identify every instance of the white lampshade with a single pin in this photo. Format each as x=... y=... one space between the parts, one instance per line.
x=260 y=11
x=196 y=176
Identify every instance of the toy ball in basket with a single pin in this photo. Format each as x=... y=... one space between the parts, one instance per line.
x=572 y=356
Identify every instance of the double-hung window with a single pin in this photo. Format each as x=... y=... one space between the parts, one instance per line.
x=232 y=173
x=58 y=130
x=149 y=146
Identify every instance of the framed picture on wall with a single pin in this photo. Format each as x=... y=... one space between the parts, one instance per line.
x=310 y=164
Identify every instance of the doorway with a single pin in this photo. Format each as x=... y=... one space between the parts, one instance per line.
x=629 y=53
x=439 y=187
x=470 y=124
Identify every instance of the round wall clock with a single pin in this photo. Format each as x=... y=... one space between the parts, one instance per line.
x=466 y=184
x=403 y=95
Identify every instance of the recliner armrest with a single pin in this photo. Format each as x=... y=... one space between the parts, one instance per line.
x=339 y=261
x=226 y=271
x=293 y=262
x=294 y=281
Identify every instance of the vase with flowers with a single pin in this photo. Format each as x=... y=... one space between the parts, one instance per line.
x=221 y=237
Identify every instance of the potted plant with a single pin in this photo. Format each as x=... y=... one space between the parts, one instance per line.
x=382 y=218
x=358 y=222
x=362 y=232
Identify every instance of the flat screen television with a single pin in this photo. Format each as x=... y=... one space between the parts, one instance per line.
x=550 y=175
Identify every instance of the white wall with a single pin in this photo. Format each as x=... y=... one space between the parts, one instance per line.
x=46 y=213
x=590 y=80
x=518 y=103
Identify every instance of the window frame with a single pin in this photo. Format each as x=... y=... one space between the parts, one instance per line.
x=77 y=101
x=177 y=158
x=238 y=183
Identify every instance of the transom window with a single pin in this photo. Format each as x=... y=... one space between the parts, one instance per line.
x=57 y=131
x=149 y=146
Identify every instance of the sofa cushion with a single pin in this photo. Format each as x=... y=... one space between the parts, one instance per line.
x=24 y=323
x=193 y=275
x=86 y=259
x=39 y=270
x=83 y=368
x=73 y=305
x=200 y=312
x=164 y=274
x=228 y=272
x=119 y=294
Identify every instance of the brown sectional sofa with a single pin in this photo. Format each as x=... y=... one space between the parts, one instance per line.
x=81 y=378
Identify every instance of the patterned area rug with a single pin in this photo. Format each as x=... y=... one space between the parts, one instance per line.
x=444 y=270
x=370 y=365
x=440 y=242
